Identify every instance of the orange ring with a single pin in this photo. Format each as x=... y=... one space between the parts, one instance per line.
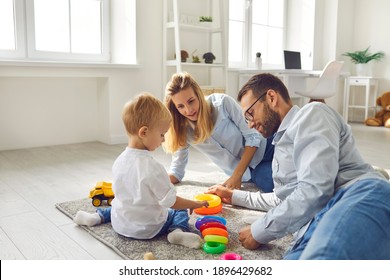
x=209 y=210
x=215 y=231
x=212 y=199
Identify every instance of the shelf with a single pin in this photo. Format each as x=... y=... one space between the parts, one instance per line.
x=198 y=28
x=202 y=64
x=182 y=31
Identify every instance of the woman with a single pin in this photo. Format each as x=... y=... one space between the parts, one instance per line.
x=215 y=126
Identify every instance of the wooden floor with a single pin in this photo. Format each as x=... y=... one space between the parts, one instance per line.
x=33 y=180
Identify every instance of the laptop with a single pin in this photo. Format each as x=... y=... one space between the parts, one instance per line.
x=292 y=60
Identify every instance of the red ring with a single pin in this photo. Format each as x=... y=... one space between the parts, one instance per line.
x=212 y=224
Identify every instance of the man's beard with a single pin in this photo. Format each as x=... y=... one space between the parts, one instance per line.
x=271 y=121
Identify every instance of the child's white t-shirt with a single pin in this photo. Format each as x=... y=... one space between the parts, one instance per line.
x=143 y=194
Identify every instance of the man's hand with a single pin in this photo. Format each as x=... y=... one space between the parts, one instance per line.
x=223 y=192
x=247 y=240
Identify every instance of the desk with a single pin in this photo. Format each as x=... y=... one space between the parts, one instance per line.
x=294 y=80
x=368 y=83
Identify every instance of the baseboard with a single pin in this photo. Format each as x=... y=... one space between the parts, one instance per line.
x=118 y=139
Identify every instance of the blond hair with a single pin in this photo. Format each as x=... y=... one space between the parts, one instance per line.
x=143 y=110
x=176 y=136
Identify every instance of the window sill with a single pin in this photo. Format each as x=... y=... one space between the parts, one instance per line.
x=60 y=64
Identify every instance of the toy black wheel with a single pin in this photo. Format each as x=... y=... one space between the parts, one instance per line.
x=96 y=202
x=109 y=201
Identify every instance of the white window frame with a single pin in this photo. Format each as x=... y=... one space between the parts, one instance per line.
x=247 y=44
x=20 y=35
x=25 y=38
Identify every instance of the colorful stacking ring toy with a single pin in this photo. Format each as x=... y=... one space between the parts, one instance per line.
x=214 y=247
x=216 y=238
x=215 y=231
x=208 y=210
x=230 y=257
x=207 y=219
x=220 y=219
x=215 y=205
x=212 y=225
x=212 y=199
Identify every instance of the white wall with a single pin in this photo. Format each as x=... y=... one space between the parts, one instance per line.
x=56 y=105
x=50 y=112
x=51 y=105
x=370 y=29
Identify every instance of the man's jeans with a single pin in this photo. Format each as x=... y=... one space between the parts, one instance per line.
x=355 y=224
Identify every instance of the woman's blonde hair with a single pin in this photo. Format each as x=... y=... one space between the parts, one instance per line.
x=176 y=137
x=144 y=110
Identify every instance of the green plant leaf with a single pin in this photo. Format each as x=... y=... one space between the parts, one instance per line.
x=364 y=56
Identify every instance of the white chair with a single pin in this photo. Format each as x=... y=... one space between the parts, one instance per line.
x=327 y=83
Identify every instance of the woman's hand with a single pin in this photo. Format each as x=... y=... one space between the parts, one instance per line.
x=234 y=182
x=223 y=192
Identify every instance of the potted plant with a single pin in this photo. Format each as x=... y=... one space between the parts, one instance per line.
x=208 y=57
x=205 y=20
x=195 y=58
x=361 y=58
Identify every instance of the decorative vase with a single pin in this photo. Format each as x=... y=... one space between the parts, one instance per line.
x=363 y=69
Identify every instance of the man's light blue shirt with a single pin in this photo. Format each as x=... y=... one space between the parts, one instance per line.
x=227 y=141
x=315 y=154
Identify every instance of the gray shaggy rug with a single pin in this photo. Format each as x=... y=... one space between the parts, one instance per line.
x=135 y=249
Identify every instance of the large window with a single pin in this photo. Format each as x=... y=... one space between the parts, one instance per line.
x=256 y=26
x=71 y=30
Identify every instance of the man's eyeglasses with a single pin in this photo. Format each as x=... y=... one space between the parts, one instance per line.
x=248 y=116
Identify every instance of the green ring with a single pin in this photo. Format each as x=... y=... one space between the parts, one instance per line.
x=214 y=247
x=216 y=238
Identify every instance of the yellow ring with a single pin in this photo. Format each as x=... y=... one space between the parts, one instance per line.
x=212 y=199
x=216 y=238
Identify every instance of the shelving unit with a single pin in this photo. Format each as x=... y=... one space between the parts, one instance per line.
x=370 y=95
x=183 y=31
